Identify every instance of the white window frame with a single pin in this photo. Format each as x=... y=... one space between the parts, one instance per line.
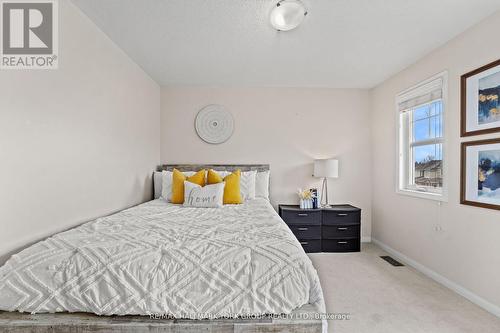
x=403 y=133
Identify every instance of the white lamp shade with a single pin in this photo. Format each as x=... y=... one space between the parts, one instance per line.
x=326 y=168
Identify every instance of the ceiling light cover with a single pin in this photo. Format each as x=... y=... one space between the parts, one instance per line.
x=288 y=15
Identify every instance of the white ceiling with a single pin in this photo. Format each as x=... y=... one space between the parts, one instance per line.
x=341 y=43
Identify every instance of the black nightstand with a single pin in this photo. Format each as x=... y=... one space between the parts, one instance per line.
x=335 y=229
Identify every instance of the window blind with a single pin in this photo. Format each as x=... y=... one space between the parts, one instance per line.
x=420 y=95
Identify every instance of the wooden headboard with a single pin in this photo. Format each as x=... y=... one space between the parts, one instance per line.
x=216 y=167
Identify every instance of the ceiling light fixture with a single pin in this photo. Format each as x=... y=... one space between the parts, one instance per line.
x=288 y=15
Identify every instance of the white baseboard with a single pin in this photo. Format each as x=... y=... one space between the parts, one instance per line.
x=366 y=239
x=488 y=306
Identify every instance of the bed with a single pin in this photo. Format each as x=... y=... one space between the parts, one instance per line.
x=158 y=259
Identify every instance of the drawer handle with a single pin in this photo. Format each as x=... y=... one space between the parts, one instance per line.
x=341 y=229
x=341 y=242
x=302 y=214
x=304 y=243
x=342 y=214
x=303 y=229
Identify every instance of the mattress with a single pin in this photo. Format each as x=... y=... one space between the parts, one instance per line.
x=160 y=258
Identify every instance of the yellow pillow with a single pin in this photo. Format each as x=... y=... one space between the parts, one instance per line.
x=178 y=179
x=232 y=194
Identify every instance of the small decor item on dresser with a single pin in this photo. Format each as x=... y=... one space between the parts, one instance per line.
x=315 y=198
x=306 y=198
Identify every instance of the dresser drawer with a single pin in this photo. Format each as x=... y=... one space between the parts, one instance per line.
x=341 y=245
x=340 y=231
x=306 y=232
x=310 y=246
x=301 y=217
x=341 y=217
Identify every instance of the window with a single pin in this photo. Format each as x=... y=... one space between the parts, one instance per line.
x=421 y=139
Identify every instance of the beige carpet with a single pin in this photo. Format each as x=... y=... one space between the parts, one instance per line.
x=383 y=298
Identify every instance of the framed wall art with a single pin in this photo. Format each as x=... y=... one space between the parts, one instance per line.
x=480 y=173
x=480 y=106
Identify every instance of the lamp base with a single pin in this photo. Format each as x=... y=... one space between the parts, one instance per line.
x=325 y=206
x=324 y=194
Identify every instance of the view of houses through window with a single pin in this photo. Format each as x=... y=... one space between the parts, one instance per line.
x=426 y=147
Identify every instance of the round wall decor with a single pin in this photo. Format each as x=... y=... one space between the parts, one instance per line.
x=214 y=124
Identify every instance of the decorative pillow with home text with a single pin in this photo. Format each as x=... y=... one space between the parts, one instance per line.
x=208 y=196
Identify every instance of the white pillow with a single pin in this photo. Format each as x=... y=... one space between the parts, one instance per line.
x=208 y=196
x=166 y=184
x=247 y=185
x=157 y=182
x=262 y=185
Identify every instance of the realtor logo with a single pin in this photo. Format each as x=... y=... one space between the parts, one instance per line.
x=29 y=34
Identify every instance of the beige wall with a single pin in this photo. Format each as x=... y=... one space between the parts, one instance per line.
x=467 y=250
x=285 y=127
x=77 y=142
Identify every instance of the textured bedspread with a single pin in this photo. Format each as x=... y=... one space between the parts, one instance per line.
x=166 y=259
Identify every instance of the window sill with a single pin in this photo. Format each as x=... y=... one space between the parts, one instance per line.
x=424 y=195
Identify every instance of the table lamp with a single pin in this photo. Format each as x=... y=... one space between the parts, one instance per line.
x=325 y=168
